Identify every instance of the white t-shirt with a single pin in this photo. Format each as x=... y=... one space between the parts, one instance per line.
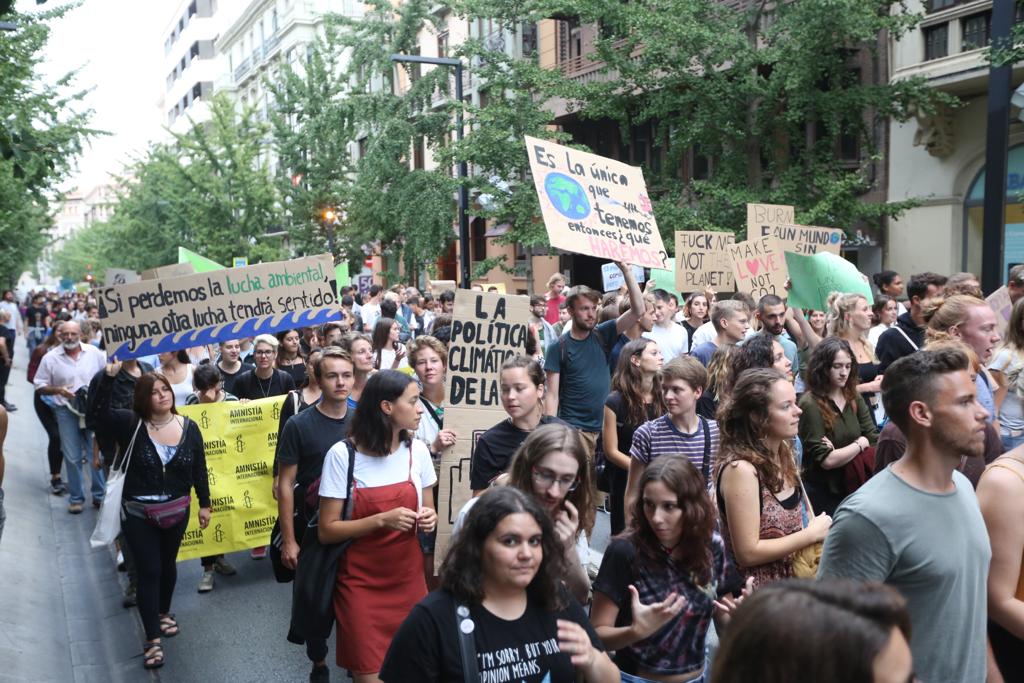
x=706 y=333
x=672 y=340
x=371 y=471
x=370 y=313
x=1010 y=364
x=428 y=430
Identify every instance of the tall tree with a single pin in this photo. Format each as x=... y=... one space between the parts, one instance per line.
x=44 y=128
x=768 y=93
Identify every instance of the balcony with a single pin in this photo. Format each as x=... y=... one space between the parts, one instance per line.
x=585 y=68
x=243 y=69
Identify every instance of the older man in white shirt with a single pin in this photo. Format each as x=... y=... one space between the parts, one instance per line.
x=63 y=371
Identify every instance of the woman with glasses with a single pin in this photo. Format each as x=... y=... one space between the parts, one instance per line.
x=552 y=465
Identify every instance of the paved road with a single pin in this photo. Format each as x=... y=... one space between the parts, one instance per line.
x=60 y=607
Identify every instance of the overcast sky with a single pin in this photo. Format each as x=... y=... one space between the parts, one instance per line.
x=118 y=47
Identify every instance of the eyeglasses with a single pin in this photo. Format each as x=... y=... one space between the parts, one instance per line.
x=264 y=352
x=548 y=478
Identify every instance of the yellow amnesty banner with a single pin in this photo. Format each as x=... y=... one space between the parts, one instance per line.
x=240 y=439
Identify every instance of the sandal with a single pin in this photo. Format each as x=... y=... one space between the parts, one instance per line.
x=152 y=656
x=168 y=626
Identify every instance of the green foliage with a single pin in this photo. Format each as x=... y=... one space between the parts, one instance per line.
x=768 y=96
x=206 y=190
x=43 y=131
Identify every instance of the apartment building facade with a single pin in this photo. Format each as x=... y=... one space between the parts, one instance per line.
x=941 y=158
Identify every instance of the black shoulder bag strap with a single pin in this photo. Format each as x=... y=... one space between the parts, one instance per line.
x=467 y=644
x=705 y=467
x=346 y=510
x=431 y=411
x=563 y=359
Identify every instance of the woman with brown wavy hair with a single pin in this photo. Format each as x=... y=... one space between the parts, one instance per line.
x=758 y=488
x=662 y=581
x=837 y=428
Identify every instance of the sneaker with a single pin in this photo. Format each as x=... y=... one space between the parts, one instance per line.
x=259 y=553
x=320 y=674
x=129 y=597
x=10 y=407
x=57 y=487
x=75 y=508
x=223 y=567
x=121 y=567
x=206 y=583
x=97 y=503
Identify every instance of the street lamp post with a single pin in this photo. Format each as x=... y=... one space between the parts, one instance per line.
x=463 y=172
x=329 y=218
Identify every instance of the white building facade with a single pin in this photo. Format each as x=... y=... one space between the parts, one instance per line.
x=940 y=159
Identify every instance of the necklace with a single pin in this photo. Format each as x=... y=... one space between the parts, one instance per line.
x=270 y=382
x=163 y=424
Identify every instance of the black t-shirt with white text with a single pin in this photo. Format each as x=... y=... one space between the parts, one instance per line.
x=426 y=647
x=494 y=449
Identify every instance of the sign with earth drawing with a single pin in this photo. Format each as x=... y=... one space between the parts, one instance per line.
x=595 y=206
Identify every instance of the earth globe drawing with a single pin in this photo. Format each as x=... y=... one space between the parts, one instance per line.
x=567 y=196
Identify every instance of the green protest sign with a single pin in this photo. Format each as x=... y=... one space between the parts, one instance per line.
x=200 y=263
x=813 y=278
x=341 y=277
x=665 y=278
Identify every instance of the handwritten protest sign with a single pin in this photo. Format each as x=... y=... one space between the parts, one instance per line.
x=240 y=441
x=780 y=220
x=703 y=261
x=611 y=276
x=759 y=267
x=438 y=287
x=487 y=329
x=153 y=316
x=594 y=205
x=813 y=278
x=665 y=278
x=999 y=301
x=120 y=276
x=173 y=270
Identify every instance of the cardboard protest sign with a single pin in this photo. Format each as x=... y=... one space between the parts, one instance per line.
x=780 y=220
x=487 y=329
x=240 y=441
x=611 y=276
x=813 y=278
x=120 y=276
x=153 y=316
x=173 y=270
x=759 y=267
x=594 y=205
x=999 y=301
x=703 y=261
x=439 y=286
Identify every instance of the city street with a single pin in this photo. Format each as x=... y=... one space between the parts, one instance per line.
x=60 y=611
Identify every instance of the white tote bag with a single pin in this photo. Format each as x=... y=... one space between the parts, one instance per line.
x=108 y=522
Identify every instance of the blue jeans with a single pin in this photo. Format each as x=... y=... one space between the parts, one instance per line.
x=76 y=446
x=1011 y=442
x=36 y=335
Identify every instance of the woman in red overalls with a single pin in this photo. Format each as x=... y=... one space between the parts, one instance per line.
x=380 y=577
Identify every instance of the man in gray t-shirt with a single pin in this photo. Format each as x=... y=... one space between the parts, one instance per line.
x=916 y=525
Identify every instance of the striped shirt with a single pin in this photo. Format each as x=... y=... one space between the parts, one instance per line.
x=660 y=437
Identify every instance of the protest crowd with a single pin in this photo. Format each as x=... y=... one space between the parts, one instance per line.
x=793 y=494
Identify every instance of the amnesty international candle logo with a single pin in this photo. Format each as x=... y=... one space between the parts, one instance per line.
x=239 y=454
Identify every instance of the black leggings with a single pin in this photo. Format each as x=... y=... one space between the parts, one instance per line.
x=49 y=420
x=155 y=551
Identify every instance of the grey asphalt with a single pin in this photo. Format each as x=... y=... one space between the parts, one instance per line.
x=61 y=617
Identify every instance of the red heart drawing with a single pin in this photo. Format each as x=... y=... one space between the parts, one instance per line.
x=753 y=265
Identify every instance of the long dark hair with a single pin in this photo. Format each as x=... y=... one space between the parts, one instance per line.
x=694 y=549
x=819 y=383
x=381 y=336
x=371 y=427
x=798 y=630
x=547 y=439
x=628 y=381
x=142 y=401
x=742 y=419
x=758 y=351
x=462 y=572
